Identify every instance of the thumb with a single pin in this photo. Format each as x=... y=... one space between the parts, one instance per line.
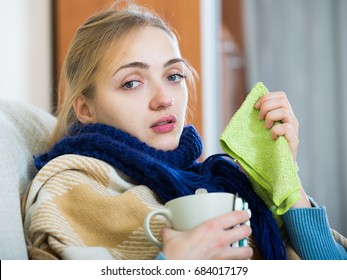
x=167 y=233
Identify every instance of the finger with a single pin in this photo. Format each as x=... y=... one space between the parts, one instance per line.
x=240 y=253
x=286 y=130
x=238 y=233
x=274 y=95
x=273 y=101
x=167 y=233
x=231 y=236
x=233 y=218
x=280 y=114
x=269 y=106
x=279 y=96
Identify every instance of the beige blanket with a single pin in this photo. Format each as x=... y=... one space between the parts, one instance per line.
x=81 y=208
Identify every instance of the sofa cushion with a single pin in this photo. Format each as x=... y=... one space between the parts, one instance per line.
x=24 y=131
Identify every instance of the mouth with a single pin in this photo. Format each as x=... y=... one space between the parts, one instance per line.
x=165 y=124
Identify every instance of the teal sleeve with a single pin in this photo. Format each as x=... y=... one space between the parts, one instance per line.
x=160 y=256
x=310 y=235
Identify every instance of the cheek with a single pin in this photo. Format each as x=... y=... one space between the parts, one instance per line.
x=183 y=103
x=107 y=113
x=123 y=117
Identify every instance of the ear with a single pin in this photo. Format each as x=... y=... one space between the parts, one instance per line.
x=83 y=109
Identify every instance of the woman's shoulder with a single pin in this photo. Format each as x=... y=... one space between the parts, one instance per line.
x=85 y=168
x=73 y=162
x=69 y=171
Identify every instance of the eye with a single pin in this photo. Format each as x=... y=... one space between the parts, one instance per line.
x=131 y=84
x=176 y=78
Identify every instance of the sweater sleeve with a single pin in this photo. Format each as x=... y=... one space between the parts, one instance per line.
x=310 y=234
x=160 y=257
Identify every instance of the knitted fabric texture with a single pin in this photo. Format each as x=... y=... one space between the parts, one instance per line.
x=171 y=174
x=268 y=163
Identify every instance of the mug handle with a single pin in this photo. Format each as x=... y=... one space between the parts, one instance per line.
x=164 y=212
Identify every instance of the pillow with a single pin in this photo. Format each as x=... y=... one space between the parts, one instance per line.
x=24 y=131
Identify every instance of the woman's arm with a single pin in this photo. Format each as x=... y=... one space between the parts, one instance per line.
x=310 y=234
x=275 y=109
x=308 y=227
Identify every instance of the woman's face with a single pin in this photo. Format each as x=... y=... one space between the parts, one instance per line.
x=144 y=92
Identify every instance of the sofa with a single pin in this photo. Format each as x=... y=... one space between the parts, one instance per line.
x=24 y=132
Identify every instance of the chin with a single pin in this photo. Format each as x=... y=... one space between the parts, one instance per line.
x=166 y=145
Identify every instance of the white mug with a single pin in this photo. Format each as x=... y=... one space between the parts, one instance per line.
x=189 y=211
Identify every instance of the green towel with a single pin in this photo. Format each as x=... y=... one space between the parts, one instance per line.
x=267 y=162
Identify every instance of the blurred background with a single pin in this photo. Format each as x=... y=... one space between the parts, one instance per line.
x=297 y=46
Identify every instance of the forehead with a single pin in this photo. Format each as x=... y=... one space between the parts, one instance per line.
x=148 y=44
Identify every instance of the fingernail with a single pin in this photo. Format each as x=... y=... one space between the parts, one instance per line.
x=245 y=243
x=249 y=213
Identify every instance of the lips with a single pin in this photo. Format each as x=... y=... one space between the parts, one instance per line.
x=164 y=121
x=165 y=124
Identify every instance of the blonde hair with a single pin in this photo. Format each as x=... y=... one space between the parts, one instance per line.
x=84 y=61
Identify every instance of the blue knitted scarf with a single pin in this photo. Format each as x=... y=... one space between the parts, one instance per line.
x=171 y=174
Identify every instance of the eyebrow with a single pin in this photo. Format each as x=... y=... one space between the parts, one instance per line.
x=143 y=65
x=173 y=61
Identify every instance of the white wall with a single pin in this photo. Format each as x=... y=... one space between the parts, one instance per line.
x=299 y=46
x=25 y=51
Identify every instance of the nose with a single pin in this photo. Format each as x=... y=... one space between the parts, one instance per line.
x=161 y=100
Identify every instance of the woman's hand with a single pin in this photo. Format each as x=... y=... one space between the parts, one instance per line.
x=210 y=240
x=274 y=107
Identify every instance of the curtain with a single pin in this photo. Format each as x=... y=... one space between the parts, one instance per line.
x=299 y=46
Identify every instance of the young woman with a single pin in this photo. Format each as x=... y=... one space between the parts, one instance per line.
x=121 y=149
